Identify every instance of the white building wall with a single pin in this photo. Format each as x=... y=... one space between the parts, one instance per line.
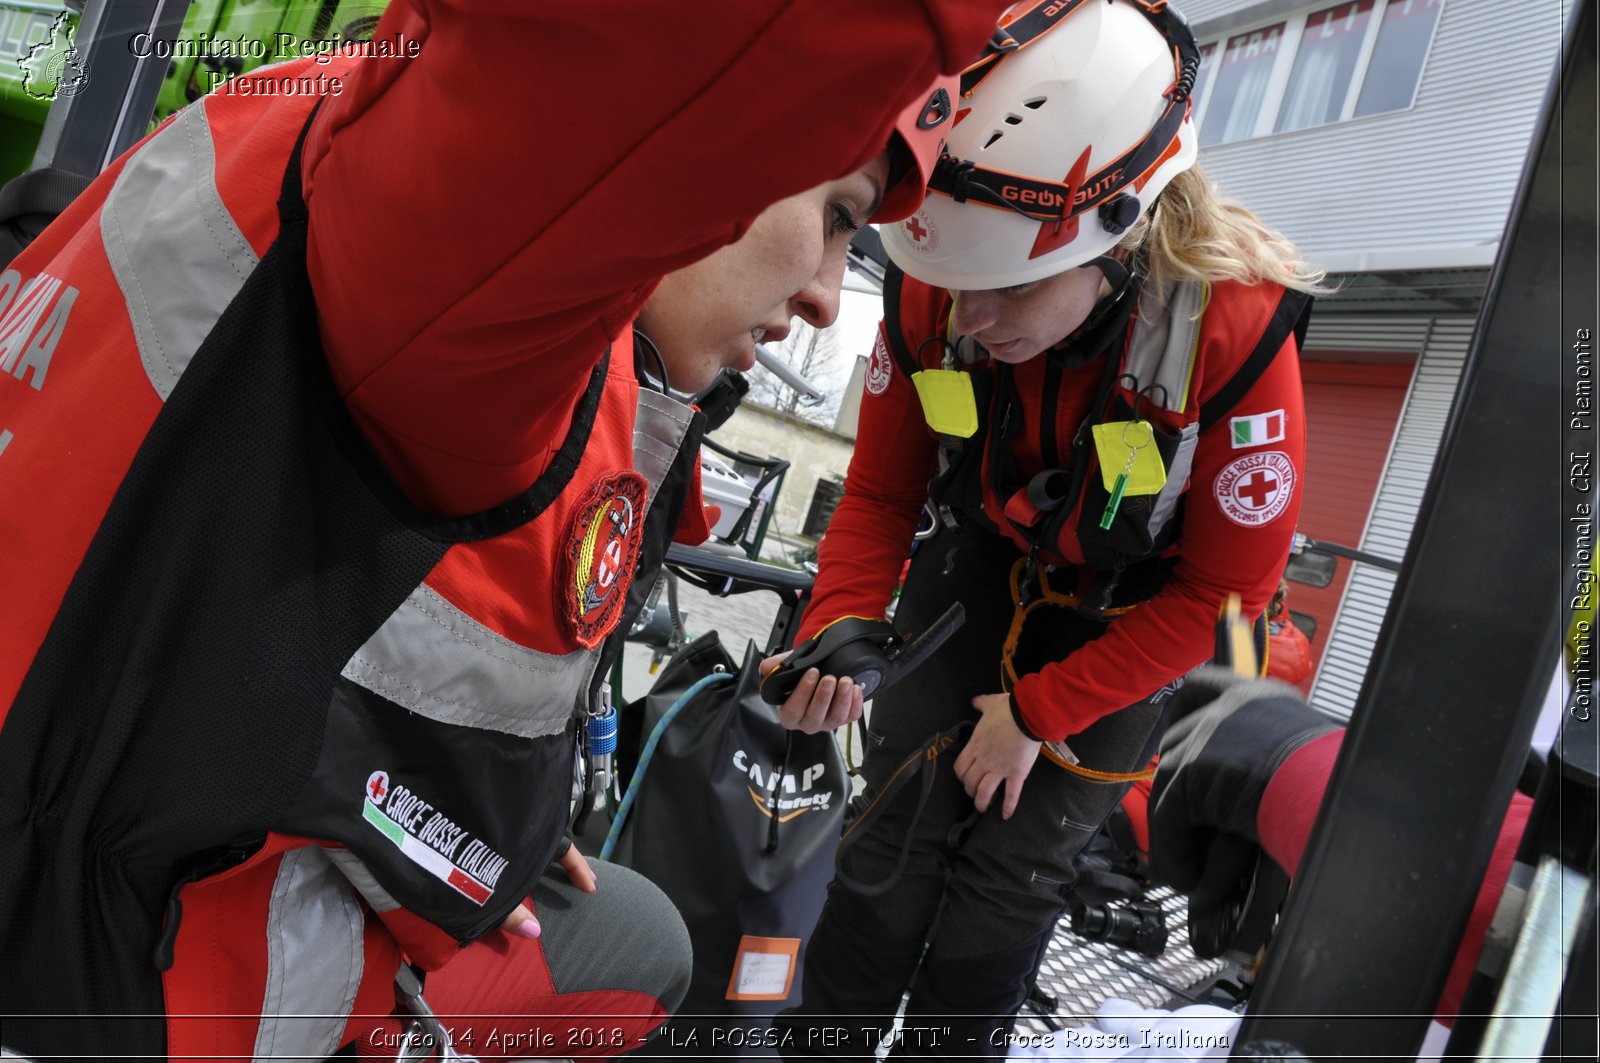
x=1430 y=186
x=814 y=453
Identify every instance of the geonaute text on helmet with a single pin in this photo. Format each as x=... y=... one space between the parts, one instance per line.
x=1049 y=198
x=1032 y=196
x=205 y=46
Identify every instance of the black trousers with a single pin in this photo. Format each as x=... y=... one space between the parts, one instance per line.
x=965 y=925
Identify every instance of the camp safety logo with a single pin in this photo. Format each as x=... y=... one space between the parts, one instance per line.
x=920 y=232
x=785 y=795
x=880 y=368
x=602 y=548
x=431 y=840
x=1256 y=489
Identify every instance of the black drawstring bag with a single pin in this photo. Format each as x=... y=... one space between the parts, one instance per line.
x=736 y=819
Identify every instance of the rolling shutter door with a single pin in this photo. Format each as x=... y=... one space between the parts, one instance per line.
x=1346 y=649
x=1351 y=413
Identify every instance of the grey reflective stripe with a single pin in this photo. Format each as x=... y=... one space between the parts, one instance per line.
x=314 y=959
x=1166 y=502
x=1166 y=334
x=361 y=877
x=437 y=661
x=434 y=659
x=174 y=249
x=658 y=430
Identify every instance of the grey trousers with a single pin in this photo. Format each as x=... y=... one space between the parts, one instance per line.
x=965 y=924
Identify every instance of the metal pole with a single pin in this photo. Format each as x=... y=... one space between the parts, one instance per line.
x=1526 y=1009
x=117 y=44
x=781 y=369
x=1317 y=546
x=1442 y=727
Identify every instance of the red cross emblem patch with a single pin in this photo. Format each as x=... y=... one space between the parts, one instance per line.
x=1256 y=489
x=880 y=368
x=920 y=232
x=603 y=536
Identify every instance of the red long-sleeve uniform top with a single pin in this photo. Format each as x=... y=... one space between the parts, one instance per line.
x=896 y=454
x=487 y=216
x=1288 y=811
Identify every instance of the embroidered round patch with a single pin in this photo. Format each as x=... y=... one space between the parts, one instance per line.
x=1256 y=489
x=920 y=232
x=603 y=536
x=880 y=367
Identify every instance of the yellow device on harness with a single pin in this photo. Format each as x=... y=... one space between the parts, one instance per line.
x=1124 y=449
x=948 y=403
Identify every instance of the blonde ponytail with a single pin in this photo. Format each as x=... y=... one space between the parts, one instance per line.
x=1197 y=233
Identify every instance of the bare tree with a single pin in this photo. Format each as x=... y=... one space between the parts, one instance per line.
x=814 y=354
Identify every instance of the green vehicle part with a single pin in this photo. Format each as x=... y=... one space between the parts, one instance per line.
x=26 y=28
x=219 y=39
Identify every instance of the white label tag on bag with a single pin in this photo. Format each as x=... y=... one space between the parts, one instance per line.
x=763 y=968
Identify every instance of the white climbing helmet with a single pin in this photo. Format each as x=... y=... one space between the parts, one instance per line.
x=1067 y=131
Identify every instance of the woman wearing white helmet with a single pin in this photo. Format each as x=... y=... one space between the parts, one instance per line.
x=366 y=359
x=1092 y=356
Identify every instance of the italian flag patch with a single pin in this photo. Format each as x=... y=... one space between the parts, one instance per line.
x=1257 y=429
x=431 y=840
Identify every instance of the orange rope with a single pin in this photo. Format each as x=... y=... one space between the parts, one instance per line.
x=1008 y=673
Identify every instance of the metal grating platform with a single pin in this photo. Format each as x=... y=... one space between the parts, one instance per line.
x=1081 y=974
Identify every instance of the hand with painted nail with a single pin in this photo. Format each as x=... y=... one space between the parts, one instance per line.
x=521 y=923
x=819 y=702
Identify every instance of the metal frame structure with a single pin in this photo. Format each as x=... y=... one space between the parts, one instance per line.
x=738 y=574
x=1451 y=699
x=1449 y=705
x=86 y=130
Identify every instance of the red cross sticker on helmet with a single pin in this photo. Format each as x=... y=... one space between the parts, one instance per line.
x=920 y=232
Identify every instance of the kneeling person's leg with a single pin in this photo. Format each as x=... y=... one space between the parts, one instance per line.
x=606 y=971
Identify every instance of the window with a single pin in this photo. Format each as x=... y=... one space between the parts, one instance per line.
x=1202 y=77
x=1326 y=64
x=1314 y=570
x=1396 y=65
x=1330 y=44
x=1306 y=623
x=1241 y=85
x=824 y=500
